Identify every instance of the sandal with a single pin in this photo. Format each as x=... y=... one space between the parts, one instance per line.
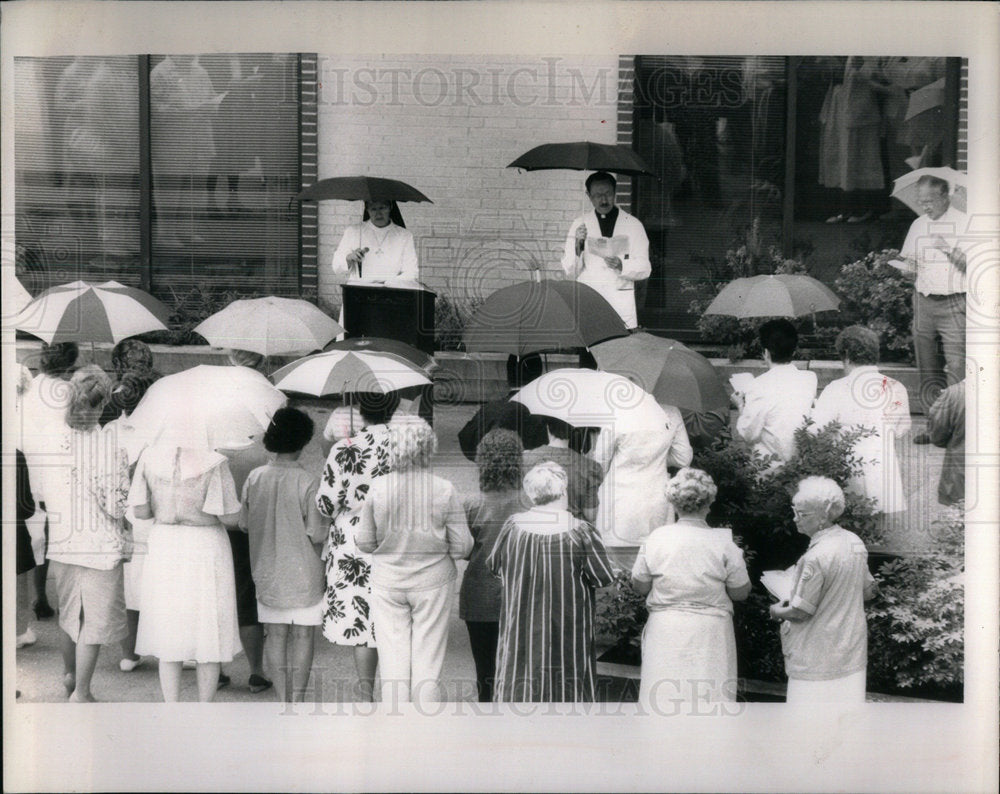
x=258 y=683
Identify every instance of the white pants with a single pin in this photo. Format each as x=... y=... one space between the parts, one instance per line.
x=845 y=690
x=412 y=630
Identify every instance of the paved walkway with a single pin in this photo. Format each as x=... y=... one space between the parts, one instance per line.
x=39 y=667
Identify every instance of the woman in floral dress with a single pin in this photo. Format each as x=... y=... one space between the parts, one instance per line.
x=350 y=468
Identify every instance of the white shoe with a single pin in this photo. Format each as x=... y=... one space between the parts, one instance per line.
x=128 y=665
x=28 y=638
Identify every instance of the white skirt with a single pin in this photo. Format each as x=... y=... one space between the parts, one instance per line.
x=188 y=596
x=296 y=616
x=845 y=690
x=688 y=658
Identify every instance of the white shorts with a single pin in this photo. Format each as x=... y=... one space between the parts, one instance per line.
x=298 y=616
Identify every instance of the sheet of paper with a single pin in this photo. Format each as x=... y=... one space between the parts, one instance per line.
x=608 y=246
x=903 y=265
x=778 y=583
x=741 y=381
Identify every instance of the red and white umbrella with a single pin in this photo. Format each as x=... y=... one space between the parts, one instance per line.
x=270 y=326
x=85 y=312
x=349 y=371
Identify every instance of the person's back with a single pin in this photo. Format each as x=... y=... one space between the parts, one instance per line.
x=946 y=427
x=280 y=516
x=690 y=566
x=417 y=516
x=777 y=402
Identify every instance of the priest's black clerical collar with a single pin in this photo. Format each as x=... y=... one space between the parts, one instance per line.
x=607 y=222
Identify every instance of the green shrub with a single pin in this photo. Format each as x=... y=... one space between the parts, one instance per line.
x=879 y=296
x=915 y=625
x=450 y=318
x=621 y=612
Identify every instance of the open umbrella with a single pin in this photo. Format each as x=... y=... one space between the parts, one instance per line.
x=85 y=312
x=207 y=406
x=583 y=156
x=270 y=326
x=672 y=373
x=532 y=316
x=781 y=295
x=344 y=371
x=388 y=347
x=361 y=188
x=588 y=398
x=905 y=188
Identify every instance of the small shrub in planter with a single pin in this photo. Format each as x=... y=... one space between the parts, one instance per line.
x=880 y=297
x=450 y=318
x=621 y=615
x=915 y=625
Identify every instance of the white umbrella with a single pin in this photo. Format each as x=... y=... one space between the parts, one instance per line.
x=270 y=326
x=589 y=398
x=341 y=371
x=15 y=298
x=85 y=312
x=207 y=407
x=905 y=188
x=780 y=295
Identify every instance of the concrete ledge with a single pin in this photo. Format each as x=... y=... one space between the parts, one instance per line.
x=461 y=377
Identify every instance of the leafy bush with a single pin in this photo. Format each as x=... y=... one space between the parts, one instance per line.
x=915 y=625
x=879 y=296
x=749 y=257
x=450 y=318
x=621 y=612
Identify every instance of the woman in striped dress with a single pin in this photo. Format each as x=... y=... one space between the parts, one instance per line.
x=549 y=564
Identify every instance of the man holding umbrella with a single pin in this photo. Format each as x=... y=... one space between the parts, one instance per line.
x=607 y=249
x=933 y=251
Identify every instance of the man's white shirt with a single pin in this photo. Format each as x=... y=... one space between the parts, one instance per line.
x=775 y=405
x=936 y=275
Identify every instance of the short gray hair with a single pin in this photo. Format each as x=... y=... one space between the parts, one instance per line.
x=691 y=490
x=545 y=483
x=412 y=443
x=822 y=492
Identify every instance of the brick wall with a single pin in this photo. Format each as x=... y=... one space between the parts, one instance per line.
x=449 y=125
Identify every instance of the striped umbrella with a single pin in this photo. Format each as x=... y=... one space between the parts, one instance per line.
x=84 y=312
x=343 y=371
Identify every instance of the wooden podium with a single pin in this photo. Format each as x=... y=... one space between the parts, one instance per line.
x=391 y=312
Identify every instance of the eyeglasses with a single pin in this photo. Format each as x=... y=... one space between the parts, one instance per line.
x=802 y=514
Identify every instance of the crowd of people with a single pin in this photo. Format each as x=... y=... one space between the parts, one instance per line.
x=189 y=555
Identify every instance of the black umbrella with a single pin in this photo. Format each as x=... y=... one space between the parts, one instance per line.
x=361 y=188
x=536 y=316
x=583 y=156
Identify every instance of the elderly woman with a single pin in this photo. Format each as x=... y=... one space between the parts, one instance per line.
x=499 y=460
x=188 y=591
x=352 y=466
x=865 y=398
x=43 y=423
x=549 y=564
x=690 y=574
x=824 y=636
x=84 y=491
x=413 y=526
